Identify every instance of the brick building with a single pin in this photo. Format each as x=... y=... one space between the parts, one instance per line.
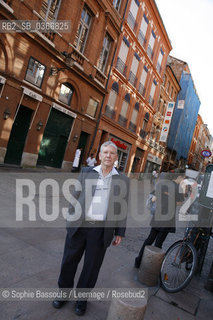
x=134 y=87
x=163 y=116
x=52 y=84
x=200 y=141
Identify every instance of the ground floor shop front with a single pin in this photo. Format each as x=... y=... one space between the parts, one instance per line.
x=35 y=131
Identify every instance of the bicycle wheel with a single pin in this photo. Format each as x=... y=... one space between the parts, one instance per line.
x=175 y=273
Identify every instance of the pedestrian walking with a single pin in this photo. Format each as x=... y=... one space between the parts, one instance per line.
x=91 y=161
x=76 y=160
x=161 y=228
x=99 y=222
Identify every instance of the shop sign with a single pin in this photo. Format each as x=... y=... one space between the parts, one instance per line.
x=167 y=122
x=60 y=108
x=152 y=158
x=32 y=94
x=119 y=144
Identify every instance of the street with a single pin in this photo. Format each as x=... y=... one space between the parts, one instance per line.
x=31 y=256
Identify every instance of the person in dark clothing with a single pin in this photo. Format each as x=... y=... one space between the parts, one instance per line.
x=168 y=196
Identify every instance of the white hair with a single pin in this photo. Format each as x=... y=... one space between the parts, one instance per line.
x=108 y=143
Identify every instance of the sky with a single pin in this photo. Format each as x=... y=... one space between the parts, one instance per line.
x=189 y=25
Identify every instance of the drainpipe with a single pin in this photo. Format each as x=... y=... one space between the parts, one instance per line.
x=102 y=104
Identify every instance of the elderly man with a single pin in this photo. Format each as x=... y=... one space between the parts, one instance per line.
x=102 y=216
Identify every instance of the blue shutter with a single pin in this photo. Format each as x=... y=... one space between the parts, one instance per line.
x=146 y=19
x=127 y=97
x=126 y=41
x=153 y=34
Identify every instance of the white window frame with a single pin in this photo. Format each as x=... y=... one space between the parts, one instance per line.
x=49 y=3
x=105 y=49
x=82 y=26
x=117 y=4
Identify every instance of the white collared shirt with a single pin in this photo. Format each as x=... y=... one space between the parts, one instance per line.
x=99 y=205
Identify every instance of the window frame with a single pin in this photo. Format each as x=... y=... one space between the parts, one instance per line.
x=117 y=2
x=103 y=50
x=82 y=23
x=94 y=100
x=28 y=70
x=69 y=86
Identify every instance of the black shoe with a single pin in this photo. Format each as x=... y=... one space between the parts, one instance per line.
x=80 y=307
x=137 y=263
x=58 y=304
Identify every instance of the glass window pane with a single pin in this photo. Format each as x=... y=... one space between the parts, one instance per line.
x=35 y=72
x=65 y=94
x=92 y=107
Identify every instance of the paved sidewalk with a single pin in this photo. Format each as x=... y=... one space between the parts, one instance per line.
x=31 y=257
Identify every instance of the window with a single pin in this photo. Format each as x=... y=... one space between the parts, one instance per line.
x=104 y=53
x=112 y=100
x=66 y=93
x=133 y=14
x=92 y=107
x=172 y=89
x=124 y=49
x=133 y=122
x=35 y=72
x=168 y=86
x=142 y=81
x=122 y=118
x=134 y=68
x=143 y=29
x=160 y=58
x=116 y=4
x=49 y=9
x=83 y=30
x=152 y=93
x=145 y=121
x=151 y=45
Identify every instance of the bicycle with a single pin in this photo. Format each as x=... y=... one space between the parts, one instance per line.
x=183 y=259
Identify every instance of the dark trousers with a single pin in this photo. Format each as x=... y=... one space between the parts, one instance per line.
x=85 y=240
x=155 y=235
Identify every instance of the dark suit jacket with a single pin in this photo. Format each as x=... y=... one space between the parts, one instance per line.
x=115 y=223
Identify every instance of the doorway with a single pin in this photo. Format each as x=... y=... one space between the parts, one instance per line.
x=18 y=136
x=55 y=138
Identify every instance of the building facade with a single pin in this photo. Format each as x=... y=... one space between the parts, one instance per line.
x=185 y=114
x=134 y=87
x=163 y=116
x=201 y=141
x=52 y=84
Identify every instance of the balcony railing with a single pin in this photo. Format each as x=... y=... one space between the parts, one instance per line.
x=132 y=78
x=131 y=21
x=78 y=56
x=121 y=66
x=150 y=52
x=142 y=89
x=151 y=101
x=132 y=127
x=141 y=38
x=122 y=120
x=110 y=112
